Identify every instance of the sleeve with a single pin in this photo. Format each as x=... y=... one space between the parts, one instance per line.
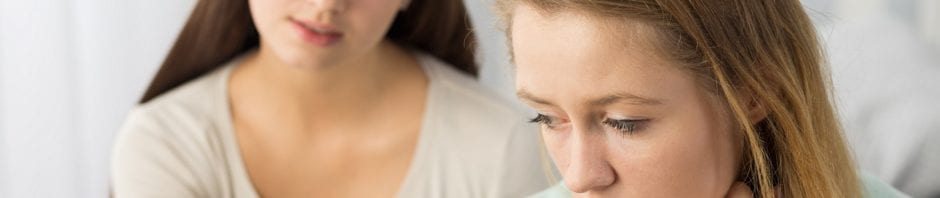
x=150 y=161
x=876 y=188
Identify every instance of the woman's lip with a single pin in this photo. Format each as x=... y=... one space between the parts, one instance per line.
x=324 y=27
x=318 y=34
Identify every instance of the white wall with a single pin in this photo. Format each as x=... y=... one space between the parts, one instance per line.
x=885 y=77
x=38 y=131
x=69 y=72
x=929 y=16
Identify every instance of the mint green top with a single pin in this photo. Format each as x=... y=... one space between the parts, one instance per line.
x=873 y=187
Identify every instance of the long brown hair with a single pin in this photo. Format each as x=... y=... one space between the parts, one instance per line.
x=220 y=30
x=753 y=54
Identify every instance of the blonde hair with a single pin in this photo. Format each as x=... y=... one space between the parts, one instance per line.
x=753 y=54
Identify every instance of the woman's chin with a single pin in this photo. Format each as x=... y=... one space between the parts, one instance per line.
x=314 y=61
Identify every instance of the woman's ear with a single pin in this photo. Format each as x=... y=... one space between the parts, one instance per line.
x=756 y=111
x=405 y=5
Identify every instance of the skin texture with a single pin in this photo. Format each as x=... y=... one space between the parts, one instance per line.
x=337 y=120
x=582 y=72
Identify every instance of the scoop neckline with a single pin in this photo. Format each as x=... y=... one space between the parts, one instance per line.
x=233 y=153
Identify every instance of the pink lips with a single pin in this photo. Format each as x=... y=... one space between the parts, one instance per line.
x=315 y=33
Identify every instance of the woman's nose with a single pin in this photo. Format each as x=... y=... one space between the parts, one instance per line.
x=588 y=168
x=330 y=6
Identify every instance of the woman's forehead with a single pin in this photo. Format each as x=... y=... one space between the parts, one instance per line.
x=572 y=32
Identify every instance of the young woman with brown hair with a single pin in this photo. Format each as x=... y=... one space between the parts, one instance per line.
x=324 y=98
x=682 y=98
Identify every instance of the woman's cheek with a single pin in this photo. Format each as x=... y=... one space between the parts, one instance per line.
x=557 y=147
x=659 y=165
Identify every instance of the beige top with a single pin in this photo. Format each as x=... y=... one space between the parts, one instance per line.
x=471 y=144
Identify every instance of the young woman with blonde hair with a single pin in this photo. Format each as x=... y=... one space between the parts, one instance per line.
x=682 y=98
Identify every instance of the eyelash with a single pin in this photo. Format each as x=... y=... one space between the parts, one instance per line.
x=542 y=119
x=624 y=126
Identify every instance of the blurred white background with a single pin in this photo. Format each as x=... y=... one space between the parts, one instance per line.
x=70 y=70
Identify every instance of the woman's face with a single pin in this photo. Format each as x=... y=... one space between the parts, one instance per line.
x=619 y=118
x=322 y=32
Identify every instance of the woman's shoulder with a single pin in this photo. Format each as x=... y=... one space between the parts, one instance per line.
x=184 y=117
x=469 y=111
x=466 y=123
x=462 y=93
x=172 y=145
x=193 y=104
x=186 y=111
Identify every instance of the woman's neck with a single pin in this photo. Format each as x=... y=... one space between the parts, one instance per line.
x=321 y=94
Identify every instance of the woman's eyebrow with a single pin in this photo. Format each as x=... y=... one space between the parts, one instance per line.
x=523 y=94
x=602 y=101
x=624 y=97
